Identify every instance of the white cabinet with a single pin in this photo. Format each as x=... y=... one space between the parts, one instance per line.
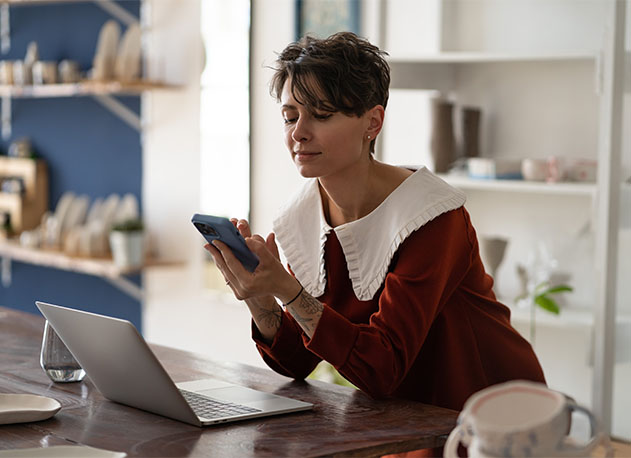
x=550 y=82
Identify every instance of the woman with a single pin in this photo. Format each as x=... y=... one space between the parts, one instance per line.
x=385 y=279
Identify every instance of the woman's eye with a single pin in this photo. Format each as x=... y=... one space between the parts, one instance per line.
x=289 y=120
x=322 y=117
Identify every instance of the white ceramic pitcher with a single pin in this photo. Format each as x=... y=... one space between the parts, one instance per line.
x=520 y=418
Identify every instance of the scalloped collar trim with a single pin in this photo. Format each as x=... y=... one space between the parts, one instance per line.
x=301 y=230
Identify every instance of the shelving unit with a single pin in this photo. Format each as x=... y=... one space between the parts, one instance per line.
x=512 y=87
x=105 y=93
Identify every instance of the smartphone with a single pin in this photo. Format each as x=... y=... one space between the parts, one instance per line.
x=218 y=228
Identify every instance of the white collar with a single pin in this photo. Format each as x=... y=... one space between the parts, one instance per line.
x=301 y=230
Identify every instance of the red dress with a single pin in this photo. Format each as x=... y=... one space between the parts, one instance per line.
x=433 y=333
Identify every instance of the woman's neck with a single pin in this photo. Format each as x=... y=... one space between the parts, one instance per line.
x=346 y=199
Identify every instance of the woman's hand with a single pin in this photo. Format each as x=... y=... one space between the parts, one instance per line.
x=269 y=277
x=269 y=280
x=256 y=288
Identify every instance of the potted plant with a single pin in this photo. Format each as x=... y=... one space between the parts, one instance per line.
x=127 y=243
x=542 y=296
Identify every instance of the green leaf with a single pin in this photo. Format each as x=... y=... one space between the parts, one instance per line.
x=558 y=289
x=547 y=304
x=130 y=225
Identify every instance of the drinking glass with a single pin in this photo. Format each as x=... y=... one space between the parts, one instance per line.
x=56 y=359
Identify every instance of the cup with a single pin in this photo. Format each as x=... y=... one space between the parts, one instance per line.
x=56 y=359
x=583 y=170
x=69 y=71
x=520 y=418
x=534 y=169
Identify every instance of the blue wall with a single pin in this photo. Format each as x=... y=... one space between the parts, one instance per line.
x=88 y=150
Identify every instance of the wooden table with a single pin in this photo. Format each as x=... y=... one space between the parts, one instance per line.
x=344 y=422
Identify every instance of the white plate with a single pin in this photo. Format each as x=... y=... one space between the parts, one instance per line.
x=127 y=67
x=21 y=408
x=62 y=451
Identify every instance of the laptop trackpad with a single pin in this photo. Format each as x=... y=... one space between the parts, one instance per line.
x=237 y=394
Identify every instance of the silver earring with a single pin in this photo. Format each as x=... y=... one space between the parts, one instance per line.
x=368 y=137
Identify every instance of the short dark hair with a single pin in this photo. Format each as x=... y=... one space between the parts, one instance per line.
x=343 y=72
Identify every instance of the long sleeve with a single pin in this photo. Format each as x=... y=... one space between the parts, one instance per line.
x=286 y=354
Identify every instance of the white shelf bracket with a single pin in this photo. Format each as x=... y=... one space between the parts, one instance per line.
x=5 y=28
x=6 y=117
x=118 y=109
x=117 y=11
x=6 y=271
x=128 y=287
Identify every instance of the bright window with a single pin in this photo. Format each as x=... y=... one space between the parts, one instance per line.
x=225 y=114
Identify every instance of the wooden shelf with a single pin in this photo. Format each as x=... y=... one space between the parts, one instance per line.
x=81 y=89
x=102 y=267
x=565 y=188
x=102 y=91
x=11 y=250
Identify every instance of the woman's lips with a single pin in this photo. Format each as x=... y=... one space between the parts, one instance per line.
x=304 y=156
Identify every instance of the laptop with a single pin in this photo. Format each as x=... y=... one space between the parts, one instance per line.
x=124 y=369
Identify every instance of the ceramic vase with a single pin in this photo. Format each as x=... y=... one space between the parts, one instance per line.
x=492 y=251
x=442 y=139
x=471 y=131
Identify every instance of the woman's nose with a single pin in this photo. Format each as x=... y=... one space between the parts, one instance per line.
x=301 y=132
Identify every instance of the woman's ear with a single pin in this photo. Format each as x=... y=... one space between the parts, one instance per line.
x=375 y=118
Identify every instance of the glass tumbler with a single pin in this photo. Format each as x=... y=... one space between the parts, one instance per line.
x=56 y=359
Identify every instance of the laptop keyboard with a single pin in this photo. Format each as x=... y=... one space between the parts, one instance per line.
x=207 y=407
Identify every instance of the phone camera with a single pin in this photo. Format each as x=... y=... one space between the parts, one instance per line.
x=206 y=229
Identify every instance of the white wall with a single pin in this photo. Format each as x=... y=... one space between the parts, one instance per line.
x=523 y=25
x=171 y=148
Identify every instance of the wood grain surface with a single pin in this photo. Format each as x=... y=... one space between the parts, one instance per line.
x=344 y=422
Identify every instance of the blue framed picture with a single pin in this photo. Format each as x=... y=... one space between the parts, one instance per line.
x=325 y=17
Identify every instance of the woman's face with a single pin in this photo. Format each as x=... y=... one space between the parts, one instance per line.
x=322 y=143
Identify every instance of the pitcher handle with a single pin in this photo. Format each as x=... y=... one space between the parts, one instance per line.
x=596 y=436
x=456 y=436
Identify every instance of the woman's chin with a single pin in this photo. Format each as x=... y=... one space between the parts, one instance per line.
x=306 y=171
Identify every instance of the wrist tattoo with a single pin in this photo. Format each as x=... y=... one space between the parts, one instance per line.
x=305 y=323
x=271 y=318
x=306 y=311
x=310 y=304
